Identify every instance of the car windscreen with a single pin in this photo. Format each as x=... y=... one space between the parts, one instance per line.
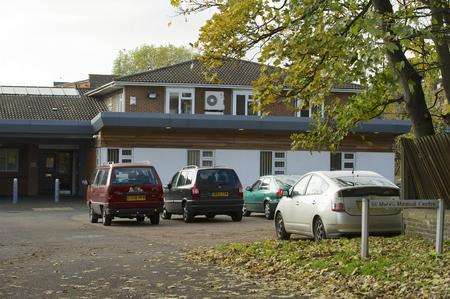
x=348 y=181
x=286 y=182
x=133 y=176
x=217 y=177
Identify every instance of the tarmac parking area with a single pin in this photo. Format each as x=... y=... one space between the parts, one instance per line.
x=52 y=251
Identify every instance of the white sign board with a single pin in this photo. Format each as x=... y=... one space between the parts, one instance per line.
x=414 y=203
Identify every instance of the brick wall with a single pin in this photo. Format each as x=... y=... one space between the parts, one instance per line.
x=143 y=103
x=422 y=222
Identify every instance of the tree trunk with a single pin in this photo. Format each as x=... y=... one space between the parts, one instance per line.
x=410 y=79
x=441 y=42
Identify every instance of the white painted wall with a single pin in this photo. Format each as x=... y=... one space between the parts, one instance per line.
x=167 y=161
x=301 y=162
x=244 y=162
x=382 y=163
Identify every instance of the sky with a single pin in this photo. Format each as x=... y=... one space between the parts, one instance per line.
x=42 y=41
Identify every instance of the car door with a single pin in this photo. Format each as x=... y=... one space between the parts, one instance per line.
x=306 y=209
x=263 y=192
x=179 y=192
x=250 y=196
x=169 y=194
x=292 y=204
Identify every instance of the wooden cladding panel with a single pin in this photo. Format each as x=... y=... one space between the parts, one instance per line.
x=229 y=140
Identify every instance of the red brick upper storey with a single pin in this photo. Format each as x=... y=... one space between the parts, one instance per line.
x=184 y=89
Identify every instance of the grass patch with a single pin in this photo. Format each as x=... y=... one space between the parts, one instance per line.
x=398 y=266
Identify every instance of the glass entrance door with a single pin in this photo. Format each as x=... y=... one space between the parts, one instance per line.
x=55 y=165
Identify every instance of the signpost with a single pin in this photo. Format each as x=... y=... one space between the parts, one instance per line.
x=401 y=204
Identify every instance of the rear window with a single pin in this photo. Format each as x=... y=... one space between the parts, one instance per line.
x=216 y=177
x=347 y=181
x=287 y=181
x=133 y=176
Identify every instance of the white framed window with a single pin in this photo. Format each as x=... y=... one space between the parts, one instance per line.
x=122 y=155
x=243 y=102
x=180 y=101
x=342 y=161
x=9 y=160
x=201 y=158
x=272 y=163
x=309 y=111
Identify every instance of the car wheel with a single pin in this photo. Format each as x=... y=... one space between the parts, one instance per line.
x=268 y=212
x=279 y=228
x=236 y=217
x=318 y=230
x=210 y=216
x=154 y=219
x=140 y=219
x=107 y=219
x=188 y=216
x=245 y=212
x=166 y=215
x=92 y=216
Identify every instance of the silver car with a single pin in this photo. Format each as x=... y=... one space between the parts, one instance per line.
x=328 y=204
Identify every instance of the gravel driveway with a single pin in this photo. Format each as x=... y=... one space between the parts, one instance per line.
x=52 y=251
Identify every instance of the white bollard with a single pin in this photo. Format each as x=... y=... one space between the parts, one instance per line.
x=365 y=229
x=15 y=191
x=440 y=225
x=56 y=190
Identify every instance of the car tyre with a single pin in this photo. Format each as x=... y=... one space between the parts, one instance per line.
x=268 y=211
x=280 y=230
x=92 y=216
x=236 y=217
x=188 y=216
x=166 y=215
x=140 y=219
x=245 y=212
x=318 y=230
x=154 y=219
x=107 y=219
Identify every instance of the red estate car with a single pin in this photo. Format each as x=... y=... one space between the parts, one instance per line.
x=125 y=191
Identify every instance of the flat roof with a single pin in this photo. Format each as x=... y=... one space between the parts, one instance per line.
x=48 y=128
x=232 y=122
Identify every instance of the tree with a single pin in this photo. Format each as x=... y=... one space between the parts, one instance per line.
x=390 y=47
x=149 y=57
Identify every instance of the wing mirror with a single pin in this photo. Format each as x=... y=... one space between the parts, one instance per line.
x=248 y=188
x=85 y=182
x=169 y=186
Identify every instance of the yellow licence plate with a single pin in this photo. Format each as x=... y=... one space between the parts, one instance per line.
x=135 y=197
x=219 y=194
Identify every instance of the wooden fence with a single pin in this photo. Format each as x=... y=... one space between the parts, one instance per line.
x=425 y=168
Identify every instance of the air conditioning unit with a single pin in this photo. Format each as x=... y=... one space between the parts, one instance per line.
x=214 y=101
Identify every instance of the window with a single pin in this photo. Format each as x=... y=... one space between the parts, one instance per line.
x=174 y=180
x=272 y=163
x=300 y=187
x=113 y=155
x=243 y=103
x=342 y=161
x=9 y=160
x=265 y=184
x=256 y=185
x=213 y=178
x=126 y=155
x=104 y=178
x=116 y=155
x=309 y=111
x=201 y=158
x=99 y=177
x=180 y=101
x=133 y=176
x=183 y=179
x=316 y=186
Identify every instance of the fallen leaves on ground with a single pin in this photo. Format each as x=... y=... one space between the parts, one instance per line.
x=398 y=266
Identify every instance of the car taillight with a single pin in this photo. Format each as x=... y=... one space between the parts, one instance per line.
x=240 y=191
x=279 y=193
x=337 y=204
x=195 y=192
